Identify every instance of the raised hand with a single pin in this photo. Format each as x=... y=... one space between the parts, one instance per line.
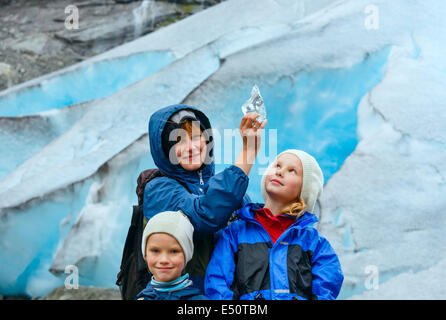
x=250 y=130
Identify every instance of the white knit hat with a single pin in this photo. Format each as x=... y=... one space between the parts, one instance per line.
x=313 y=179
x=174 y=223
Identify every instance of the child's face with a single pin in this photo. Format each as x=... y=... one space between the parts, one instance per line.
x=191 y=150
x=283 y=182
x=165 y=257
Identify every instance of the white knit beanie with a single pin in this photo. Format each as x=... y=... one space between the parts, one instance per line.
x=313 y=179
x=174 y=223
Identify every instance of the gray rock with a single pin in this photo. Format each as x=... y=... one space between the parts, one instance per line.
x=19 y=297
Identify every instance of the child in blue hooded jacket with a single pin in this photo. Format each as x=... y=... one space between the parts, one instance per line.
x=181 y=144
x=273 y=252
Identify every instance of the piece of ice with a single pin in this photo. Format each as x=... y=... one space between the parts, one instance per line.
x=255 y=104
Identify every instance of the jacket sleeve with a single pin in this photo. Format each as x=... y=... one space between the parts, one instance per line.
x=220 y=270
x=327 y=272
x=208 y=212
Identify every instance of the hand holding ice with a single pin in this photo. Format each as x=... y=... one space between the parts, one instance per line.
x=255 y=104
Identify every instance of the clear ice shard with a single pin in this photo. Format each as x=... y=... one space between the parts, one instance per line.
x=255 y=104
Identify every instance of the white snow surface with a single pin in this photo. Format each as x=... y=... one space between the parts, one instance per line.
x=384 y=208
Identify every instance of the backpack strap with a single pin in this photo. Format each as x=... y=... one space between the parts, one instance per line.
x=143 y=178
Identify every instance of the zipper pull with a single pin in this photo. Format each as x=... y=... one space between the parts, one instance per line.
x=201 y=177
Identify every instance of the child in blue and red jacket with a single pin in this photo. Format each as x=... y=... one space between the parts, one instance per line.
x=273 y=251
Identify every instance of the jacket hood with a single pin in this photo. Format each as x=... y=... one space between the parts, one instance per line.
x=247 y=213
x=156 y=125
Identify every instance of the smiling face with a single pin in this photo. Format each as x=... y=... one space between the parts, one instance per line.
x=283 y=181
x=165 y=257
x=190 y=148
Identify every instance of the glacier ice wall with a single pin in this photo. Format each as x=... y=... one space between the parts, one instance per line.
x=369 y=103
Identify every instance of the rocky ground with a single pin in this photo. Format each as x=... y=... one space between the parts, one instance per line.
x=40 y=36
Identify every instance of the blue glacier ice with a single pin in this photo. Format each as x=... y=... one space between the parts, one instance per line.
x=34 y=245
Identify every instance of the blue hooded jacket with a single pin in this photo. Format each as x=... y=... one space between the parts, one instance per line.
x=246 y=265
x=208 y=199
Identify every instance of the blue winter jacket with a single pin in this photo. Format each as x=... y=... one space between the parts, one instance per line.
x=208 y=199
x=246 y=265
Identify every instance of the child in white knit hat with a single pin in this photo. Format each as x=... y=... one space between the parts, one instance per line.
x=167 y=246
x=273 y=251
